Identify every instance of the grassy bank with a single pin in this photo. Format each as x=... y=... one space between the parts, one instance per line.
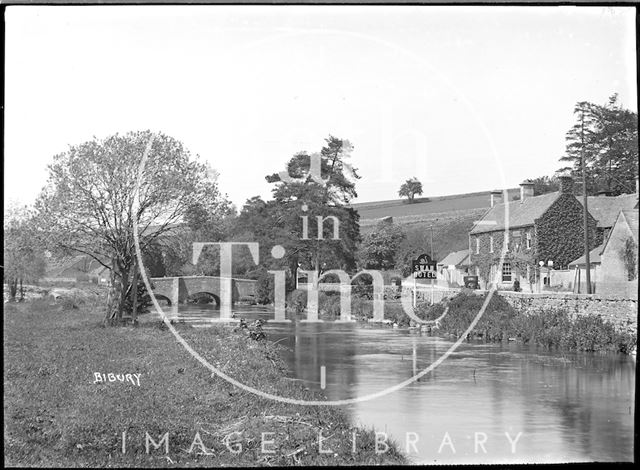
x=551 y=328
x=56 y=414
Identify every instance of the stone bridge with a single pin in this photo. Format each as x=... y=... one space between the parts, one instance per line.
x=225 y=291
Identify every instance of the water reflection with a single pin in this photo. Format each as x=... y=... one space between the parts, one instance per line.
x=481 y=404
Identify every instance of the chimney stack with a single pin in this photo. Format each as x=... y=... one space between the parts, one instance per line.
x=496 y=197
x=566 y=184
x=526 y=190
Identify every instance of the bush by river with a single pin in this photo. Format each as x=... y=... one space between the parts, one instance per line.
x=57 y=412
x=329 y=307
x=550 y=327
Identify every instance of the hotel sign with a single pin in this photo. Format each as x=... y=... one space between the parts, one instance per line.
x=424 y=268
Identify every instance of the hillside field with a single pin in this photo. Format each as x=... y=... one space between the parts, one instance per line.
x=451 y=218
x=450 y=229
x=429 y=205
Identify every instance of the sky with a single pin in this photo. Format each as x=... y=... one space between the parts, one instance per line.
x=464 y=98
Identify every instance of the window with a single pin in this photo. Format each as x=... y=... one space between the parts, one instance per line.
x=528 y=240
x=506 y=272
x=477 y=245
x=491 y=244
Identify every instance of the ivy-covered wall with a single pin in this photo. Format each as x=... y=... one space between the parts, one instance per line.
x=518 y=255
x=560 y=233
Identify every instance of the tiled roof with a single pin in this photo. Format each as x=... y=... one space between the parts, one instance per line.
x=605 y=209
x=594 y=257
x=521 y=213
x=456 y=258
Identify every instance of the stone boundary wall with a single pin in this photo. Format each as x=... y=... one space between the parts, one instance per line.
x=623 y=313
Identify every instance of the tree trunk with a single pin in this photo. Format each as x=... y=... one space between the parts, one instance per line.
x=114 y=292
x=117 y=292
x=21 y=291
x=124 y=288
x=134 y=308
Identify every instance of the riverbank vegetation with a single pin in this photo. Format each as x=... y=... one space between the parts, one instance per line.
x=329 y=307
x=551 y=327
x=58 y=414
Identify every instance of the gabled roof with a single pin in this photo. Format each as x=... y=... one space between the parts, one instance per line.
x=456 y=258
x=521 y=213
x=594 y=257
x=605 y=209
x=630 y=218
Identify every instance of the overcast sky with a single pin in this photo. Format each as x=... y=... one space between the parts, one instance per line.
x=463 y=98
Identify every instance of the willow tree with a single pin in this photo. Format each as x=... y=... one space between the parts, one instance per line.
x=88 y=205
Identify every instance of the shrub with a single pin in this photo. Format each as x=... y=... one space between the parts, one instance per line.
x=297 y=301
x=143 y=299
x=361 y=308
x=264 y=288
x=329 y=305
x=548 y=327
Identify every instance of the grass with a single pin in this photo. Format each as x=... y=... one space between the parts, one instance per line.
x=399 y=207
x=55 y=415
x=450 y=230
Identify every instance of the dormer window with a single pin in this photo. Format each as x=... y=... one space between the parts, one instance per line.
x=477 y=245
x=491 y=244
x=528 y=240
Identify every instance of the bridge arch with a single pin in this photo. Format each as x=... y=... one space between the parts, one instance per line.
x=163 y=297
x=195 y=295
x=180 y=289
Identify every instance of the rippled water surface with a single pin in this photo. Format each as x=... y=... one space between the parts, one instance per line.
x=553 y=407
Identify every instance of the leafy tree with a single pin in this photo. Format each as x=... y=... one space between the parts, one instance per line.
x=88 y=203
x=413 y=245
x=298 y=195
x=410 y=188
x=607 y=136
x=205 y=221
x=24 y=259
x=379 y=247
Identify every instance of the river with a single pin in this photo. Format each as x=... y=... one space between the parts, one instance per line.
x=485 y=403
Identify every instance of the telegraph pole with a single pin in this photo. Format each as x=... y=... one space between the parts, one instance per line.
x=585 y=211
x=431 y=242
x=431 y=230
